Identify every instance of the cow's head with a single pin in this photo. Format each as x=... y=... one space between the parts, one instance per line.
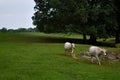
x=73 y=45
x=103 y=51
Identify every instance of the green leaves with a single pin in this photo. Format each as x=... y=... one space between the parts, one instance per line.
x=58 y=14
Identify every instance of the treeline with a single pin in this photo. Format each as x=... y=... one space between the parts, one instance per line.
x=97 y=18
x=18 y=30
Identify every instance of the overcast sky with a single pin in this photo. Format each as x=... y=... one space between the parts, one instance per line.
x=16 y=13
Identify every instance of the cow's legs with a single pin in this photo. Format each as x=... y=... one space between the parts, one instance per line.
x=98 y=60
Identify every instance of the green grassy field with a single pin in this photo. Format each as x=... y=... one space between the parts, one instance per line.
x=24 y=56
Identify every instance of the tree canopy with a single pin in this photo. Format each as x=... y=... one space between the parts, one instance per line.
x=97 y=18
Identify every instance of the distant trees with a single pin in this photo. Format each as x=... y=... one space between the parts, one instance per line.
x=18 y=30
x=97 y=18
x=3 y=29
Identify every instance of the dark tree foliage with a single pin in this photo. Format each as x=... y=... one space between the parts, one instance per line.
x=96 y=18
x=3 y=29
x=116 y=2
x=102 y=18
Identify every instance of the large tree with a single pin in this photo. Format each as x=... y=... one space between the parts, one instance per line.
x=96 y=18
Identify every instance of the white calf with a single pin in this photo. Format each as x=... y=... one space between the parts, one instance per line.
x=96 y=52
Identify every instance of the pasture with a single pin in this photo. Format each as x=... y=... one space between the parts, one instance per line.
x=28 y=56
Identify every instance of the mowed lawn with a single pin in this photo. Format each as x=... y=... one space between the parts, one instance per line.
x=24 y=57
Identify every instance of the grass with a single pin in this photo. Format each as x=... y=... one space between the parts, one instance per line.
x=23 y=57
x=60 y=35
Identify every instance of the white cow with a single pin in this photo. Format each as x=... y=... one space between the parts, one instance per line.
x=69 y=47
x=95 y=51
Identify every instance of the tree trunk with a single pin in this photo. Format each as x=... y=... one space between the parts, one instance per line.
x=84 y=37
x=117 y=36
x=93 y=39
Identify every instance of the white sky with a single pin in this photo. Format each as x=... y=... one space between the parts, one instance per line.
x=16 y=13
